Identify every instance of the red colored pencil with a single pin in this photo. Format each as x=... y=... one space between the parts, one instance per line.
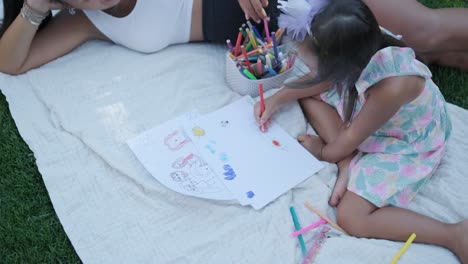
x=238 y=42
x=263 y=127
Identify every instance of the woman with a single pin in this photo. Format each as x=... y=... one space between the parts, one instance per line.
x=439 y=36
x=29 y=39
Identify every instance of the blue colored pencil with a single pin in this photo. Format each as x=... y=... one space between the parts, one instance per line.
x=275 y=46
x=270 y=70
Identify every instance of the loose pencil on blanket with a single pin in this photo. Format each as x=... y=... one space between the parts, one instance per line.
x=323 y=216
x=307 y=228
x=297 y=226
x=404 y=248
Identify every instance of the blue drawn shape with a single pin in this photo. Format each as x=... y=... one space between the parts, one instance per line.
x=250 y=194
x=229 y=173
x=223 y=157
x=210 y=148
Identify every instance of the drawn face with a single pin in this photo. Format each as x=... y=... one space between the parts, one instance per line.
x=201 y=171
x=224 y=123
x=191 y=186
x=176 y=140
x=179 y=176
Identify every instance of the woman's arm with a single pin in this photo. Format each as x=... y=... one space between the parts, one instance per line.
x=382 y=103
x=23 y=48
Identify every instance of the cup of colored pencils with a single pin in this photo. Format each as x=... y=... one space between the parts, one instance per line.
x=255 y=58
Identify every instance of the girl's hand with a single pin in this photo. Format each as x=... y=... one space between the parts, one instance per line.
x=44 y=6
x=254 y=9
x=271 y=106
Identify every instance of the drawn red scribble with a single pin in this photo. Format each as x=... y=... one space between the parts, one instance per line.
x=276 y=143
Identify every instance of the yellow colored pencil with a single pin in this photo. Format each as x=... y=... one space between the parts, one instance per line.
x=324 y=217
x=279 y=33
x=252 y=39
x=404 y=248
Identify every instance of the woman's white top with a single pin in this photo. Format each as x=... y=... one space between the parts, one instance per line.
x=151 y=26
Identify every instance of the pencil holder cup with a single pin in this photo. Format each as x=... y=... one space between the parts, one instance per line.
x=242 y=85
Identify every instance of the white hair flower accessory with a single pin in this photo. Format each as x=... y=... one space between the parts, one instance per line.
x=297 y=16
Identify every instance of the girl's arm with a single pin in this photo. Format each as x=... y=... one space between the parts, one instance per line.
x=21 y=49
x=286 y=95
x=382 y=103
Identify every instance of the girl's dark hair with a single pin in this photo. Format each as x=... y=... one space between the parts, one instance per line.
x=345 y=36
x=11 y=9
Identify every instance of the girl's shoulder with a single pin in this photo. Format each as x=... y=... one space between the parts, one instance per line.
x=391 y=62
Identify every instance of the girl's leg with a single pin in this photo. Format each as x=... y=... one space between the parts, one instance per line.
x=327 y=123
x=422 y=28
x=361 y=218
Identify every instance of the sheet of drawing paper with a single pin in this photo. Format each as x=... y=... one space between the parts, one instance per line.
x=170 y=156
x=257 y=167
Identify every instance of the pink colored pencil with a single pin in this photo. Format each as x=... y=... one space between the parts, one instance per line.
x=259 y=67
x=312 y=226
x=267 y=31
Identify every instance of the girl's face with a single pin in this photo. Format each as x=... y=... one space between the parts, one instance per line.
x=92 y=4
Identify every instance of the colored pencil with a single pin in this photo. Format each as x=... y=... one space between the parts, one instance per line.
x=298 y=227
x=404 y=248
x=323 y=216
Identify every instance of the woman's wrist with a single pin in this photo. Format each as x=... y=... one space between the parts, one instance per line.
x=33 y=16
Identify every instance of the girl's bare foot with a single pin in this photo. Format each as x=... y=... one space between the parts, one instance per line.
x=341 y=182
x=343 y=170
x=460 y=247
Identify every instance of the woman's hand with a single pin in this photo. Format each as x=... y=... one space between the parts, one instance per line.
x=254 y=9
x=44 y=6
x=271 y=106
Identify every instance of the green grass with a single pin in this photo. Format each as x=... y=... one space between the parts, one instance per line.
x=30 y=231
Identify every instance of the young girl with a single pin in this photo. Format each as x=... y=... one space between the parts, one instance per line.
x=380 y=117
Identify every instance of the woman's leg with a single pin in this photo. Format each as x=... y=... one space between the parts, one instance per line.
x=450 y=59
x=361 y=218
x=422 y=28
x=327 y=123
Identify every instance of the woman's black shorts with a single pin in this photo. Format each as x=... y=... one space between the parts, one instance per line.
x=222 y=19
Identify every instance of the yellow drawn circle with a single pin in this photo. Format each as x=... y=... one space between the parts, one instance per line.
x=197 y=131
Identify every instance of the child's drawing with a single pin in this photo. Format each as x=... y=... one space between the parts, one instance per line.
x=196 y=167
x=176 y=140
x=198 y=131
x=229 y=172
x=179 y=176
x=199 y=187
x=198 y=179
x=224 y=123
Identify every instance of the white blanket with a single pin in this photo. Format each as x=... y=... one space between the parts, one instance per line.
x=76 y=114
